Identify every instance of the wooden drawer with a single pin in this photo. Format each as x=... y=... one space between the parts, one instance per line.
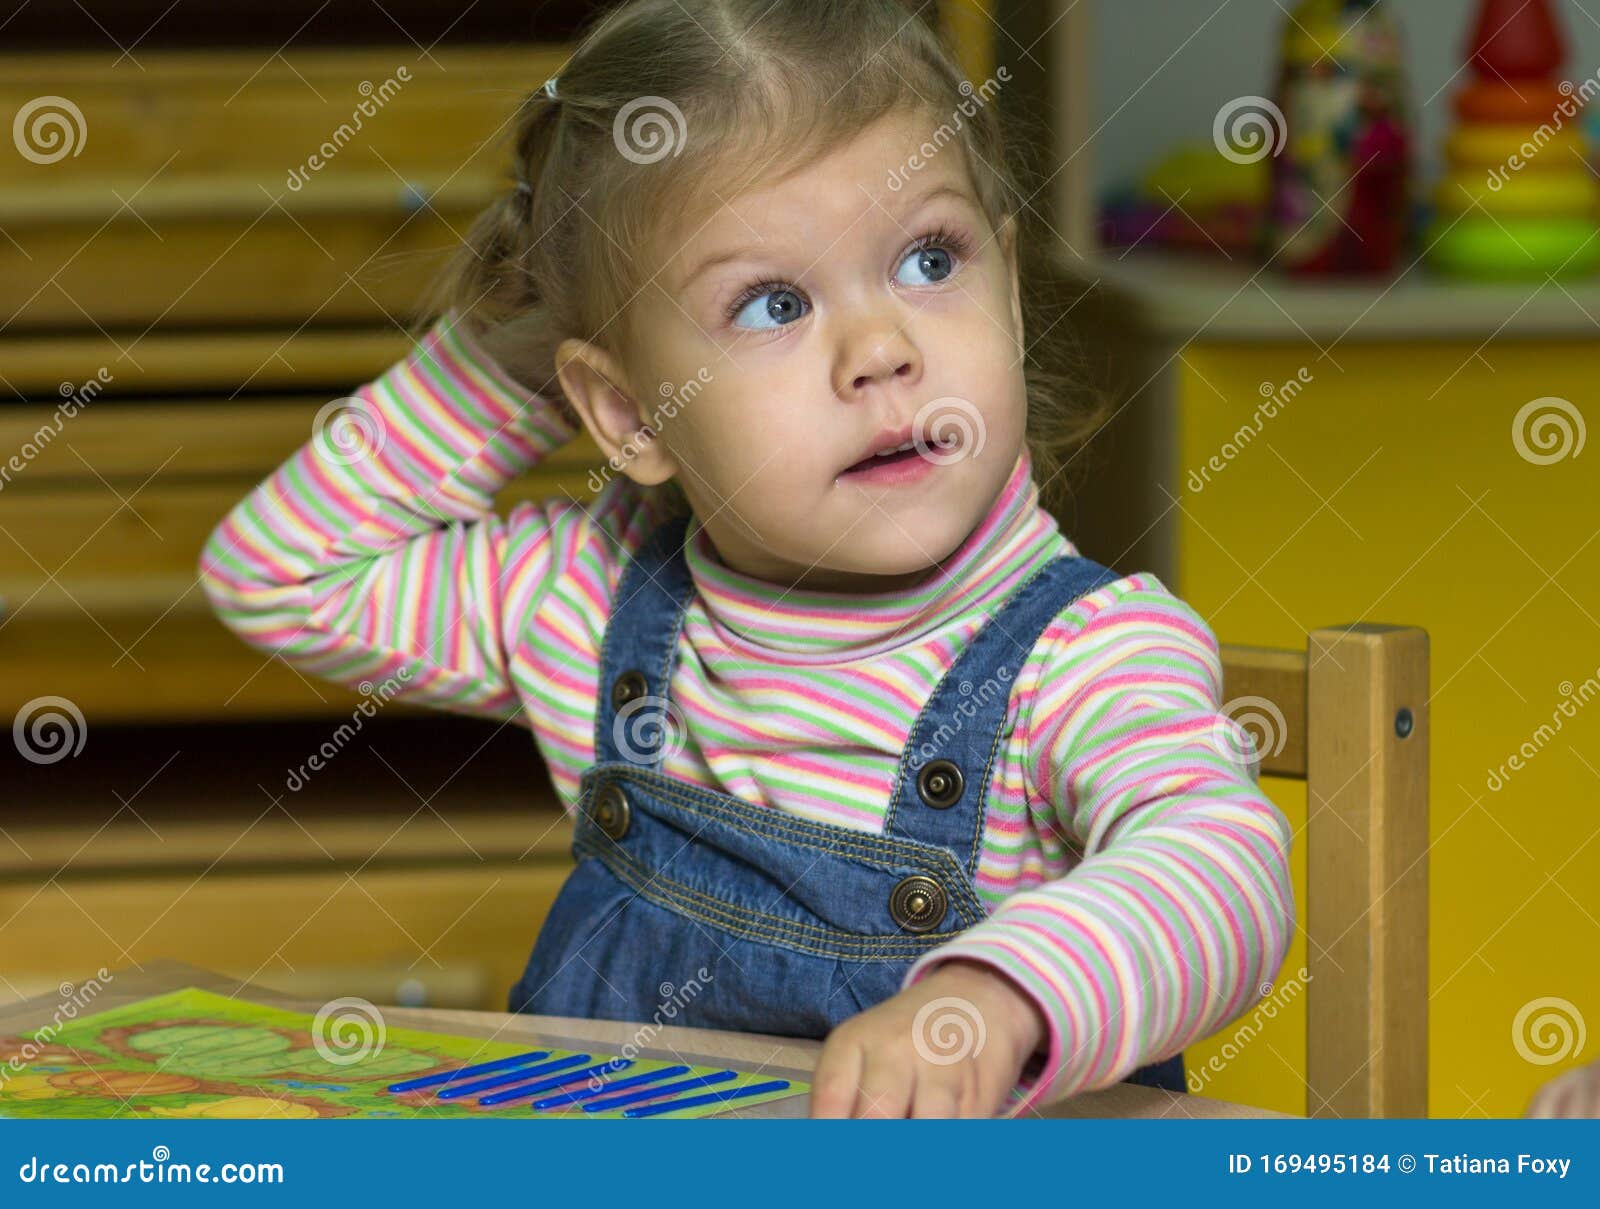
x=399 y=905
x=456 y=926
x=100 y=535
x=217 y=188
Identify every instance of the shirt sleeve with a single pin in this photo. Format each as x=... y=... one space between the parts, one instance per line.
x=373 y=555
x=1181 y=909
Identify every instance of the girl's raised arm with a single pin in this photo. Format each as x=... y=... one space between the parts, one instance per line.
x=373 y=555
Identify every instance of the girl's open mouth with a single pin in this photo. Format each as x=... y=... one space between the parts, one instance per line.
x=904 y=465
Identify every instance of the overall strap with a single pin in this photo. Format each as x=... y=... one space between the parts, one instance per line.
x=941 y=788
x=636 y=655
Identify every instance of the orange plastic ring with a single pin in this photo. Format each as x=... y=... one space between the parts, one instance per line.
x=1526 y=101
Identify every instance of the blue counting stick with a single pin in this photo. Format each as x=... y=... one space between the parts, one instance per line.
x=533 y=1089
x=482 y=1068
x=713 y=1097
x=589 y=1093
x=457 y=1090
x=649 y=1093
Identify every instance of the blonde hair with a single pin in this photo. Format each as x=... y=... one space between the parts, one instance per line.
x=660 y=96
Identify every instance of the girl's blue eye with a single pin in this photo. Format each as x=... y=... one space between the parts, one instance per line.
x=775 y=308
x=770 y=305
x=925 y=266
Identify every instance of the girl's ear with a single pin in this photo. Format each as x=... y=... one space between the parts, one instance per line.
x=597 y=388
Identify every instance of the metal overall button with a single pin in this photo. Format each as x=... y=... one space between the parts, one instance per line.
x=611 y=812
x=629 y=685
x=939 y=783
x=917 y=903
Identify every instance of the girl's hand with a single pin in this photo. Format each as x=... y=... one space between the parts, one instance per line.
x=952 y=1045
x=1574 y=1094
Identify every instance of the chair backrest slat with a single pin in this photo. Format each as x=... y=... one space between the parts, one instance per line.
x=1349 y=715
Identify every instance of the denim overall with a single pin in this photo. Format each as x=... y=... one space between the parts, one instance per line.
x=700 y=908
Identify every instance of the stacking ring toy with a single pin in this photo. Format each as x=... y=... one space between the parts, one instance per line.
x=1492 y=146
x=1528 y=103
x=1565 y=193
x=1514 y=248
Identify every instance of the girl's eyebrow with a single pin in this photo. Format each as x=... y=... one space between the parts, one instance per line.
x=745 y=250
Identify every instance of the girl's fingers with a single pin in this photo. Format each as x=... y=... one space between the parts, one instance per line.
x=939 y=1091
x=885 y=1089
x=833 y=1083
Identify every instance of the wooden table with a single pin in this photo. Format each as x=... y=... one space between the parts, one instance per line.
x=780 y=1056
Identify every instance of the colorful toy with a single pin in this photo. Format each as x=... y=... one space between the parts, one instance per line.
x=192 y=1053
x=1518 y=199
x=1341 y=197
x=1192 y=199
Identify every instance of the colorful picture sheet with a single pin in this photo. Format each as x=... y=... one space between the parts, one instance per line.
x=194 y=1053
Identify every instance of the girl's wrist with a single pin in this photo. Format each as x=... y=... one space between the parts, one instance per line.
x=1000 y=1001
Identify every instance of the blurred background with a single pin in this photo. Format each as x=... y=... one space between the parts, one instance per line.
x=1334 y=263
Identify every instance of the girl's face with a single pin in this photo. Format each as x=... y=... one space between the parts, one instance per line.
x=808 y=324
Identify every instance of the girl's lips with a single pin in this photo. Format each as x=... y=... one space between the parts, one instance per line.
x=895 y=469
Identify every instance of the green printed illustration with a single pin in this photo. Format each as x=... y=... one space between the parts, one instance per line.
x=193 y=1053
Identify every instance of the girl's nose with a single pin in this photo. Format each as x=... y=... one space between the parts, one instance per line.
x=876 y=354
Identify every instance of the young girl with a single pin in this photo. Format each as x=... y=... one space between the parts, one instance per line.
x=858 y=746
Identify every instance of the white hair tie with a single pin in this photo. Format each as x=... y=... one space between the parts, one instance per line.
x=550 y=89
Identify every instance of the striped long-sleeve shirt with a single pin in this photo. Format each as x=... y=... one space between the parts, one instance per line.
x=1135 y=878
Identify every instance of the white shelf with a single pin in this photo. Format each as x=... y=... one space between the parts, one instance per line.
x=1185 y=299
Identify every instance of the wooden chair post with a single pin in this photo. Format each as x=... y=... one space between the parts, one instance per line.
x=1367 y=871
